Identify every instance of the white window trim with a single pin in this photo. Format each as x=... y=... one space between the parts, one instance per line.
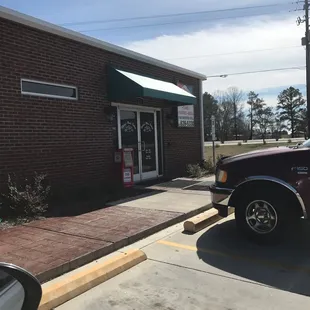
x=46 y=95
x=125 y=106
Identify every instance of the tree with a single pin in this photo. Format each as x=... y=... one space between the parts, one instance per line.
x=224 y=117
x=276 y=127
x=290 y=105
x=302 y=122
x=210 y=107
x=265 y=118
x=235 y=96
x=256 y=104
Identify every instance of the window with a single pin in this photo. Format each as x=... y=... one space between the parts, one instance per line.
x=43 y=89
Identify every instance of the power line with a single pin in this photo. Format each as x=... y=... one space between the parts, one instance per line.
x=171 y=23
x=234 y=53
x=258 y=71
x=173 y=15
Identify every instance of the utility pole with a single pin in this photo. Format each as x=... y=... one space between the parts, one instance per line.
x=305 y=42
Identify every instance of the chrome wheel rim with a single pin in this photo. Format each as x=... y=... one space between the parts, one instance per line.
x=261 y=216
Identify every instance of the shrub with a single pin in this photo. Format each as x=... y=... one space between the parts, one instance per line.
x=203 y=168
x=27 y=200
x=194 y=170
x=289 y=141
x=217 y=145
x=207 y=166
x=239 y=143
x=218 y=157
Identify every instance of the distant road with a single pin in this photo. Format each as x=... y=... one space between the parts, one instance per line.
x=259 y=141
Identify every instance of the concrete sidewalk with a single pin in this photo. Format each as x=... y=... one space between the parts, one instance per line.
x=53 y=246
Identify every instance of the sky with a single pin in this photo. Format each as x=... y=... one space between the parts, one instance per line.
x=233 y=38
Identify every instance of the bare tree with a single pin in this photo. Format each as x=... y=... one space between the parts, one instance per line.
x=302 y=122
x=224 y=117
x=265 y=118
x=235 y=96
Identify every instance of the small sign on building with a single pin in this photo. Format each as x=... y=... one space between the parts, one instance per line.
x=186 y=115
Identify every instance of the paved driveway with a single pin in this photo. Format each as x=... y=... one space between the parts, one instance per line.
x=213 y=269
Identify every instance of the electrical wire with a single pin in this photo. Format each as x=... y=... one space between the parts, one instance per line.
x=258 y=71
x=234 y=53
x=172 y=15
x=172 y=23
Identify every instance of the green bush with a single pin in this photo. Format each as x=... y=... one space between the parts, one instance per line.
x=194 y=170
x=207 y=166
x=27 y=200
x=239 y=143
x=217 y=145
x=218 y=157
x=203 y=168
x=289 y=141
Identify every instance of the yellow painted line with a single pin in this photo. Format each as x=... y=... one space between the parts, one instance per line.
x=266 y=263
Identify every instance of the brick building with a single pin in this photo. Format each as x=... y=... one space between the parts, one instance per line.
x=69 y=101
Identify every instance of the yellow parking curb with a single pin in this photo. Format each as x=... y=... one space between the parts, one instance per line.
x=204 y=220
x=68 y=287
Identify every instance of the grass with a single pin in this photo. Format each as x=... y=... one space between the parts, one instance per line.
x=229 y=150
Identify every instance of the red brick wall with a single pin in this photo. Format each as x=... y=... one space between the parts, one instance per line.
x=72 y=141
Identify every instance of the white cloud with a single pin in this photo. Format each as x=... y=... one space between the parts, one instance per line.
x=252 y=34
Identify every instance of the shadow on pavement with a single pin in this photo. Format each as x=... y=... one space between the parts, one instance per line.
x=285 y=266
x=179 y=183
x=96 y=201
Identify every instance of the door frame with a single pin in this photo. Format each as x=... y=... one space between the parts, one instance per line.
x=151 y=174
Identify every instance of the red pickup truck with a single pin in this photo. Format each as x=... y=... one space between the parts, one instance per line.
x=269 y=189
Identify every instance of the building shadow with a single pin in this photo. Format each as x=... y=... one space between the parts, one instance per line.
x=77 y=204
x=285 y=266
x=168 y=183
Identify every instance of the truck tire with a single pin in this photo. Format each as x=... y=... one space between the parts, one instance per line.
x=264 y=217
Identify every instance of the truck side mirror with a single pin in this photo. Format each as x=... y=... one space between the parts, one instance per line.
x=19 y=289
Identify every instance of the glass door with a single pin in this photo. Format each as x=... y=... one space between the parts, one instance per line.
x=129 y=137
x=148 y=142
x=138 y=130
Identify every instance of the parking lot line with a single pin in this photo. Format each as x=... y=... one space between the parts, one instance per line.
x=266 y=263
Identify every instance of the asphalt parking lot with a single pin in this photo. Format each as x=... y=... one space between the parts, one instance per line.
x=213 y=269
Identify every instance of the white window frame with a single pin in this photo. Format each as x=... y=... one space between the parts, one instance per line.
x=136 y=108
x=46 y=95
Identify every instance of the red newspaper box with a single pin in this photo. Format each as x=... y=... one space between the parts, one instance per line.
x=127 y=167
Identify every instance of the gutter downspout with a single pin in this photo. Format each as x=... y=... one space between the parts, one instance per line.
x=202 y=131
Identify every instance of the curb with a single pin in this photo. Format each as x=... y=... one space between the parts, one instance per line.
x=68 y=287
x=204 y=220
x=91 y=256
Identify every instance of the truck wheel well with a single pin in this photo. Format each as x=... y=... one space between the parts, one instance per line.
x=248 y=187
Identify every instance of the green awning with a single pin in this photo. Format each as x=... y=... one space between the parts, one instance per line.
x=124 y=85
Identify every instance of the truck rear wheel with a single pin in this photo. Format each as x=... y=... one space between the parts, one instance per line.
x=263 y=216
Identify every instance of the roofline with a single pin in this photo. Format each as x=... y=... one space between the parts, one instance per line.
x=76 y=36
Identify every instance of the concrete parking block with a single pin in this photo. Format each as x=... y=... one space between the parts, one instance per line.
x=69 y=286
x=203 y=220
